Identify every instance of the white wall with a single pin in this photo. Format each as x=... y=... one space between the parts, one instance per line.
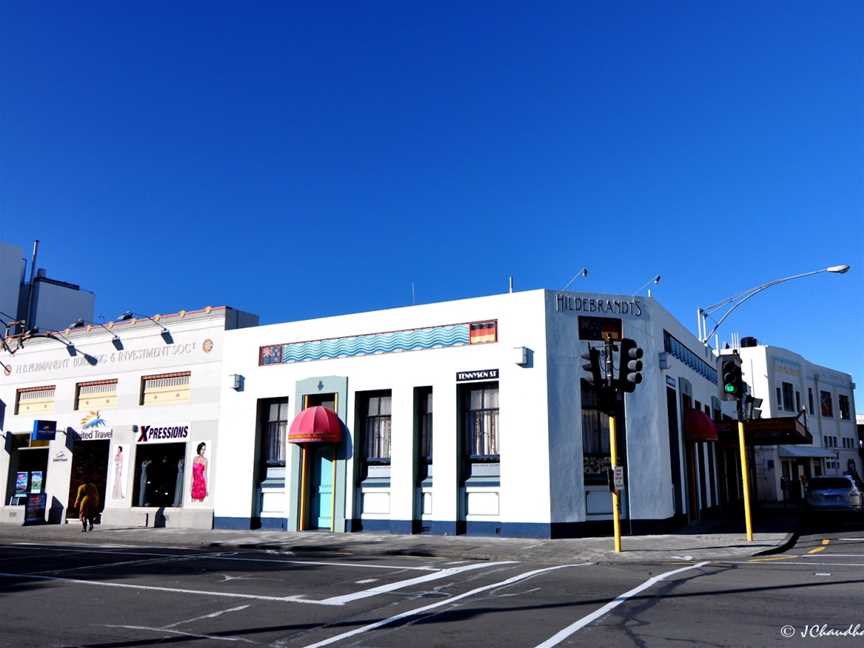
x=524 y=491
x=197 y=346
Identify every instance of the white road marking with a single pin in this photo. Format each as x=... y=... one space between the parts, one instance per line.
x=809 y=563
x=822 y=574
x=833 y=555
x=391 y=587
x=142 y=561
x=212 y=615
x=574 y=627
x=220 y=556
x=851 y=539
x=432 y=606
x=324 y=564
x=365 y=581
x=175 y=590
x=179 y=632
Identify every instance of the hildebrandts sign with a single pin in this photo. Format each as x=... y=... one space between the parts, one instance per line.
x=564 y=303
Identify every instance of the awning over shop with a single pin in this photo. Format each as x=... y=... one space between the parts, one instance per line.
x=803 y=452
x=771 y=431
x=316 y=425
x=699 y=427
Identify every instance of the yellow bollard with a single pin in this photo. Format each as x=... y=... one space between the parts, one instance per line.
x=616 y=513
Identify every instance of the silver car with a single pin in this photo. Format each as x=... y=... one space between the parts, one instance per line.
x=834 y=494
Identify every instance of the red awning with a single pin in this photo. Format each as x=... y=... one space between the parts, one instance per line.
x=316 y=425
x=699 y=427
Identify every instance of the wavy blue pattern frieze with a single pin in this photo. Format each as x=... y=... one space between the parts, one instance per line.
x=363 y=345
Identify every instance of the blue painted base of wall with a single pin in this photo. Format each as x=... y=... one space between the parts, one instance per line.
x=236 y=523
x=490 y=529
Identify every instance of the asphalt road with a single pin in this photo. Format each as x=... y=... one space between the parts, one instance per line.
x=92 y=594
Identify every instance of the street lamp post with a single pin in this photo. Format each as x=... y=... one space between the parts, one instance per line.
x=736 y=300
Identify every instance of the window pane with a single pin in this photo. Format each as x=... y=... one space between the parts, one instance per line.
x=274 y=412
x=491 y=399
x=476 y=399
x=373 y=406
x=283 y=411
x=429 y=403
x=384 y=404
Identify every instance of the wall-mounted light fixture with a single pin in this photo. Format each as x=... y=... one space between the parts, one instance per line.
x=129 y=316
x=81 y=323
x=238 y=382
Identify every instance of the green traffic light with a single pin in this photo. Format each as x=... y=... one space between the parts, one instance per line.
x=730 y=389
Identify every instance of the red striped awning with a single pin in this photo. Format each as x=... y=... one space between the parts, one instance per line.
x=316 y=425
x=699 y=427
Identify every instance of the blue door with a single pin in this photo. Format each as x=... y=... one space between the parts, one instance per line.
x=321 y=487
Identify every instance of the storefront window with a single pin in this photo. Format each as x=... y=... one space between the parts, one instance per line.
x=277 y=428
x=481 y=423
x=159 y=470
x=377 y=429
x=595 y=438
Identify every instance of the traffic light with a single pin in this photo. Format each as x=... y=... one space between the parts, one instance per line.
x=733 y=381
x=629 y=365
x=592 y=366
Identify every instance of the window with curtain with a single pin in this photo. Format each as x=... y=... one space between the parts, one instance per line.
x=425 y=421
x=377 y=429
x=481 y=423
x=276 y=433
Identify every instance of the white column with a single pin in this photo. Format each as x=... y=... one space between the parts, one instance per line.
x=445 y=453
x=402 y=454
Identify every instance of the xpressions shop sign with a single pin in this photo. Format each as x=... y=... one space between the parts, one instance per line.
x=159 y=433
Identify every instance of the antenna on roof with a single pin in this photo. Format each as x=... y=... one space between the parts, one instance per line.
x=510 y=283
x=413 y=295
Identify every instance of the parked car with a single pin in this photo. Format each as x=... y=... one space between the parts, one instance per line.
x=834 y=494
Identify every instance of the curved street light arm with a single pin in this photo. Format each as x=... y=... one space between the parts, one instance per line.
x=740 y=298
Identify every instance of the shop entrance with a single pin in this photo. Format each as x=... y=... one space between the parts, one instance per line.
x=89 y=465
x=320 y=488
x=159 y=471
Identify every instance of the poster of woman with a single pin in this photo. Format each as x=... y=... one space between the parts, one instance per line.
x=118 y=472
x=200 y=474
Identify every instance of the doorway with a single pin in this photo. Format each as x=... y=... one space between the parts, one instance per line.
x=320 y=490
x=89 y=465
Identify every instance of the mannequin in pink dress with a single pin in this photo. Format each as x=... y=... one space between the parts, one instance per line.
x=199 y=474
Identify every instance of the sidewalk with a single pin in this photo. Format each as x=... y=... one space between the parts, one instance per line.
x=645 y=548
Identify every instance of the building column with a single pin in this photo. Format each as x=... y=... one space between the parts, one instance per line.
x=402 y=463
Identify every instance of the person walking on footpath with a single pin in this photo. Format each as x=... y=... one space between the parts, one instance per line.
x=87 y=503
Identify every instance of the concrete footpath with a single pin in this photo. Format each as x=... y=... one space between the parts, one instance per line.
x=644 y=548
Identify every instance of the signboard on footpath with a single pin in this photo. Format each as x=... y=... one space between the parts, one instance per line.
x=34 y=508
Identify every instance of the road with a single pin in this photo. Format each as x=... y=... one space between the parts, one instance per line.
x=106 y=595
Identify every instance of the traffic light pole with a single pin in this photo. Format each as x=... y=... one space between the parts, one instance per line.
x=745 y=475
x=613 y=446
x=616 y=507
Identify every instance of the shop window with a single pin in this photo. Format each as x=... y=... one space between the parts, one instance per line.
x=424 y=424
x=159 y=470
x=595 y=436
x=810 y=400
x=843 y=402
x=164 y=389
x=826 y=403
x=481 y=423
x=96 y=395
x=34 y=400
x=376 y=428
x=275 y=434
x=787 y=397
x=797 y=401
x=779 y=399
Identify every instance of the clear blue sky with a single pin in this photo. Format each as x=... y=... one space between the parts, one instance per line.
x=297 y=161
